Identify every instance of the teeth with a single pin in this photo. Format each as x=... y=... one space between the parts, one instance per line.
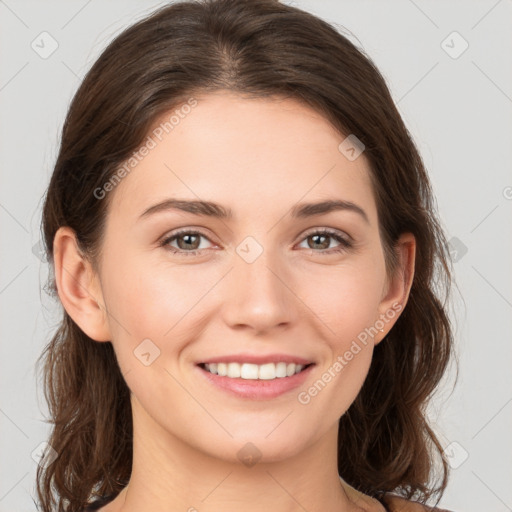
x=281 y=370
x=250 y=371
x=233 y=370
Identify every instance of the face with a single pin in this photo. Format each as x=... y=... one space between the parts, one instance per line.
x=266 y=285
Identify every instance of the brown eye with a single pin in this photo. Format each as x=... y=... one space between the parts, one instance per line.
x=188 y=242
x=319 y=241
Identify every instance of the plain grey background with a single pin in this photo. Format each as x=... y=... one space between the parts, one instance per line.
x=456 y=102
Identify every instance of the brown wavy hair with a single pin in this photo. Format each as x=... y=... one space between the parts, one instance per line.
x=259 y=49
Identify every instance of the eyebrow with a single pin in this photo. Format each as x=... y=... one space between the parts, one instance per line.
x=211 y=209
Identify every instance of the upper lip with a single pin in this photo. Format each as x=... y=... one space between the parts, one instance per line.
x=258 y=359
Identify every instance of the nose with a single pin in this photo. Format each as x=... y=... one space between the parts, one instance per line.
x=260 y=296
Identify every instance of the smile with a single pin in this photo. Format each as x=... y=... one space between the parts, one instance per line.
x=253 y=381
x=250 y=371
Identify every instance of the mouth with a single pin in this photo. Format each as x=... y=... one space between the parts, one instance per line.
x=251 y=381
x=251 y=371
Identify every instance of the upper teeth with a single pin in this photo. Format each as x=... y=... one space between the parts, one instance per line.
x=254 y=371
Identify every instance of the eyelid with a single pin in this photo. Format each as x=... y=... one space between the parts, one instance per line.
x=331 y=231
x=347 y=241
x=165 y=240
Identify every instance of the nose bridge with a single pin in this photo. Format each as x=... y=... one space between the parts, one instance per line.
x=258 y=297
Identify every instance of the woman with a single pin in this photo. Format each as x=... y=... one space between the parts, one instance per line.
x=244 y=243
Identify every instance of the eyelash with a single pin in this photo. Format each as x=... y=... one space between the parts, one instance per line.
x=344 y=243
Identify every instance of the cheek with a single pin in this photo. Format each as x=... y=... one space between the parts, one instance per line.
x=160 y=302
x=345 y=299
x=151 y=308
x=347 y=305
x=149 y=296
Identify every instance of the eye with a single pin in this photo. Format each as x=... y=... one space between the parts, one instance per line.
x=189 y=242
x=321 y=240
x=186 y=240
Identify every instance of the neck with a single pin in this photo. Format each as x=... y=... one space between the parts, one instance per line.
x=170 y=475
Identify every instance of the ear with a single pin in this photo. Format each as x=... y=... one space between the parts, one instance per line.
x=79 y=287
x=398 y=287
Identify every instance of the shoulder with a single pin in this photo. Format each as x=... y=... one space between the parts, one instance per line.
x=399 y=504
x=392 y=502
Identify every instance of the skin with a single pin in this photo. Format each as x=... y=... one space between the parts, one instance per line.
x=258 y=157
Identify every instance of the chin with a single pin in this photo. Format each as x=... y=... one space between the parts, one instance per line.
x=257 y=446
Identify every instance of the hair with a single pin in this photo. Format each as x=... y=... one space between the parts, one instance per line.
x=258 y=49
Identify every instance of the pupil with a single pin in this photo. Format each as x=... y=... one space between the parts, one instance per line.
x=324 y=245
x=187 y=238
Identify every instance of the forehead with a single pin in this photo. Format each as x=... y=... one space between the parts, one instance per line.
x=245 y=153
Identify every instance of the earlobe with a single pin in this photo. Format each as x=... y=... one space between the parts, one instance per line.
x=399 y=286
x=78 y=286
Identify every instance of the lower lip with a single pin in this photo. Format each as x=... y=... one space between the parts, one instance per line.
x=257 y=389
